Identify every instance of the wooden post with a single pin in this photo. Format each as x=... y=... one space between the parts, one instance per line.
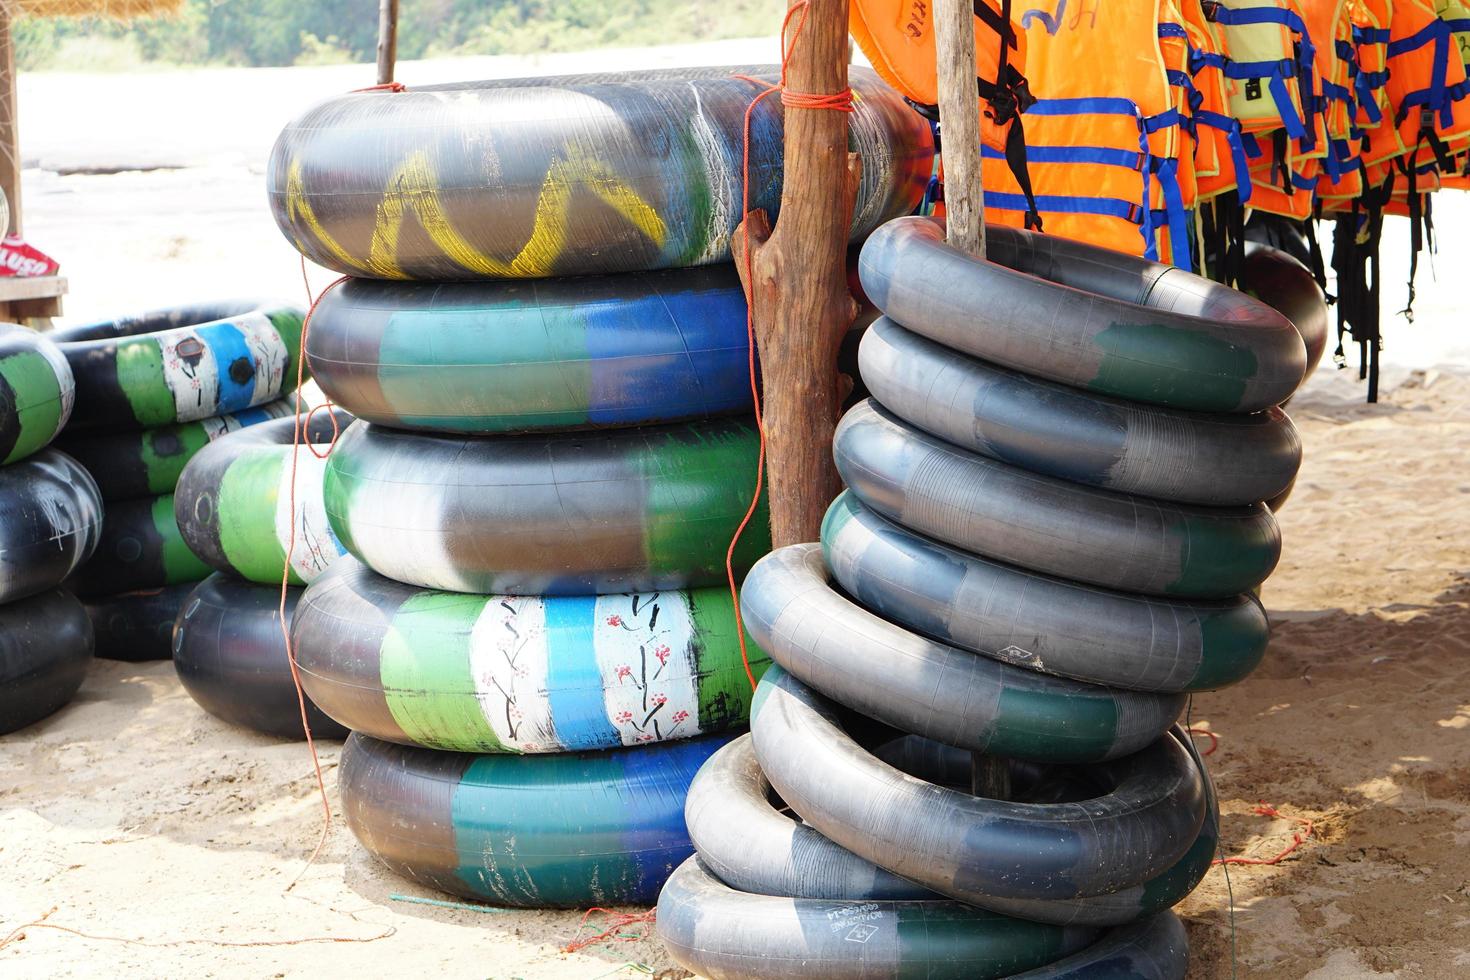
x=9 y=129
x=797 y=284
x=387 y=40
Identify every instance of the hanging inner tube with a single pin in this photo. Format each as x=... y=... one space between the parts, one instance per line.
x=237 y=510
x=920 y=686
x=140 y=548
x=181 y=364
x=45 y=648
x=535 y=177
x=50 y=522
x=520 y=674
x=36 y=392
x=1214 y=460
x=1086 y=316
x=1047 y=624
x=552 y=354
x=1041 y=523
x=568 y=830
x=577 y=513
x=148 y=462
x=230 y=656
x=966 y=847
x=725 y=934
x=1283 y=283
x=137 y=626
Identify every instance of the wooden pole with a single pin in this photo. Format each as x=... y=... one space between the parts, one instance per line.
x=964 y=209
x=797 y=283
x=10 y=165
x=387 y=40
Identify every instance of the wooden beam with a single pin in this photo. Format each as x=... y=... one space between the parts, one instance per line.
x=797 y=283
x=387 y=40
x=959 y=120
x=10 y=166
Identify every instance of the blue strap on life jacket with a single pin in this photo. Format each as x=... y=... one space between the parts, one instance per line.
x=1235 y=139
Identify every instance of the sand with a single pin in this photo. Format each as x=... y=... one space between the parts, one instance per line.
x=136 y=816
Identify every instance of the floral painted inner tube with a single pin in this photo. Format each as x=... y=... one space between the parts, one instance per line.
x=970 y=848
x=148 y=462
x=233 y=504
x=137 y=626
x=1214 y=460
x=181 y=364
x=45 y=649
x=522 y=674
x=549 y=354
x=140 y=548
x=1143 y=643
x=1085 y=316
x=724 y=934
x=1118 y=541
x=50 y=522
x=930 y=689
x=577 y=513
x=230 y=655
x=570 y=830
x=36 y=392
x=535 y=177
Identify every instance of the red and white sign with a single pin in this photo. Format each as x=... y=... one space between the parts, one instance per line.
x=20 y=258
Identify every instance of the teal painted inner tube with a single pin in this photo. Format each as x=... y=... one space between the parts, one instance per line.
x=137 y=626
x=140 y=548
x=181 y=364
x=536 y=177
x=520 y=674
x=724 y=934
x=989 y=508
x=148 y=462
x=50 y=522
x=577 y=513
x=45 y=649
x=36 y=392
x=1080 y=315
x=551 y=354
x=569 y=830
x=917 y=685
x=1039 y=622
x=1151 y=949
x=233 y=503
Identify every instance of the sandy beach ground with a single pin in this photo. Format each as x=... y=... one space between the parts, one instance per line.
x=169 y=838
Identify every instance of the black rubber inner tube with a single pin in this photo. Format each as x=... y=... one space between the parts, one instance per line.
x=138 y=626
x=726 y=934
x=50 y=522
x=1280 y=280
x=45 y=649
x=574 y=513
x=141 y=548
x=1118 y=541
x=969 y=848
x=1086 y=316
x=1215 y=460
x=1039 y=622
x=230 y=656
x=918 y=685
x=1151 y=949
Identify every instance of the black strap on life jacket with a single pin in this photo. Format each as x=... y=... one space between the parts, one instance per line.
x=1355 y=259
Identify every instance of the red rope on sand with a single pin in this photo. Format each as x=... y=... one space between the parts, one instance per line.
x=1214 y=739
x=618 y=921
x=837 y=102
x=1297 y=839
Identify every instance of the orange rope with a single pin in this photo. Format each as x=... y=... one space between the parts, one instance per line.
x=1214 y=739
x=835 y=101
x=19 y=932
x=1297 y=839
x=618 y=921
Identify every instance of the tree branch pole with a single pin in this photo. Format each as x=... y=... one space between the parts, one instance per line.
x=797 y=285
x=387 y=40
x=964 y=209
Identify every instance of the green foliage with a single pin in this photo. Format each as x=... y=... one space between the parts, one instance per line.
x=285 y=32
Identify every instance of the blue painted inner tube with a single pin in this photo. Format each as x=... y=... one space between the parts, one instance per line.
x=569 y=830
x=50 y=522
x=1086 y=316
x=45 y=649
x=524 y=356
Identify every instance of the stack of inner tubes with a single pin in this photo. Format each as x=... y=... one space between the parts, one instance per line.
x=255 y=515
x=50 y=522
x=152 y=390
x=545 y=345
x=1052 y=525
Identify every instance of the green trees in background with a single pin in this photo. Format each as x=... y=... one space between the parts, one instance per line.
x=287 y=32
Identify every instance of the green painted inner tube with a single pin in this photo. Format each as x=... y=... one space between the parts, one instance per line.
x=520 y=674
x=141 y=548
x=36 y=392
x=577 y=513
x=181 y=364
x=568 y=830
